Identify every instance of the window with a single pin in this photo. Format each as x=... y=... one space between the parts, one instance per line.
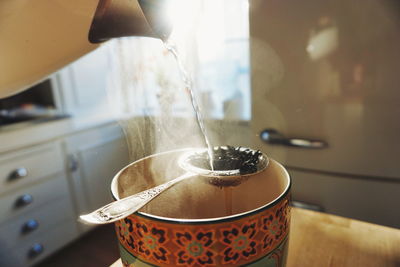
x=215 y=51
x=223 y=58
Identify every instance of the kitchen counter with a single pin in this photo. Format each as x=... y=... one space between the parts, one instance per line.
x=31 y=133
x=319 y=239
x=27 y=134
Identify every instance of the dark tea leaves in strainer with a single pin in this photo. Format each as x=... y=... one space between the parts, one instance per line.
x=227 y=158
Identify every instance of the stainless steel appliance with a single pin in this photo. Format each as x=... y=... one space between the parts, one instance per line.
x=325 y=85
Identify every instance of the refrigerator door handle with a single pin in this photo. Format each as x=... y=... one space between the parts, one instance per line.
x=307 y=206
x=273 y=137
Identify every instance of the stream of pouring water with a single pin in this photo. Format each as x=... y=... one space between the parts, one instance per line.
x=188 y=84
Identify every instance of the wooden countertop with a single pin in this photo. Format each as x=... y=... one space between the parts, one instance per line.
x=319 y=239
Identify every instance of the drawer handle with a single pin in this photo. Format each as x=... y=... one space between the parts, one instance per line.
x=23 y=201
x=35 y=250
x=18 y=174
x=29 y=226
x=73 y=163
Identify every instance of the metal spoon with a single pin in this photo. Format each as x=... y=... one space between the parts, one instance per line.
x=122 y=208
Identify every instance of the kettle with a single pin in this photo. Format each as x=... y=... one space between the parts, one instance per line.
x=39 y=37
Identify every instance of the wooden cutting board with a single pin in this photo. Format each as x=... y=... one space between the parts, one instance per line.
x=320 y=239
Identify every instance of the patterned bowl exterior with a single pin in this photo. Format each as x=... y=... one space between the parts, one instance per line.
x=257 y=238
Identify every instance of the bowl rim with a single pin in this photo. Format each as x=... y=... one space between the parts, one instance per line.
x=236 y=216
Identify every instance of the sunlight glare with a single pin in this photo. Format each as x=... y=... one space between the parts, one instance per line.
x=182 y=14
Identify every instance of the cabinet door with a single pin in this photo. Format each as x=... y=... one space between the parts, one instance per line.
x=95 y=156
x=84 y=83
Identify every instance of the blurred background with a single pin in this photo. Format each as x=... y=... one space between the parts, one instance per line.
x=313 y=84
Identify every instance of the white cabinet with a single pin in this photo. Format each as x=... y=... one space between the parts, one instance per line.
x=95 y=156
x=56 y=176
x=45 y=187
x=34 y=201
x=28 y=166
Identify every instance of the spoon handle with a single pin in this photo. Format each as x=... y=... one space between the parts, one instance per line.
x=122 y=208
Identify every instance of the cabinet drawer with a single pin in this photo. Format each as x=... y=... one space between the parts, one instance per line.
x=36 y=224
x=363 y=199
x=33 y=197
x=53 y=239
x=25 y=166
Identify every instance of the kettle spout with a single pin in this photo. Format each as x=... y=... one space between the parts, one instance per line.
x=118 y=18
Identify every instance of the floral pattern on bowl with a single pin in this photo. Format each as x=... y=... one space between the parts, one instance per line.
x=257 y=238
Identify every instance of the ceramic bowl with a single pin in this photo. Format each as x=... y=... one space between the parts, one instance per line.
x=196 y=223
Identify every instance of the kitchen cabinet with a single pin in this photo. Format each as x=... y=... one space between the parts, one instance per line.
x=52 y=172
x=94 y=157
x=28 y=166
x=45 y=186
x=35 y=201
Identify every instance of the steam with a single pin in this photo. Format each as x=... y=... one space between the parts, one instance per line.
x=155 y=110
x=150 y=96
